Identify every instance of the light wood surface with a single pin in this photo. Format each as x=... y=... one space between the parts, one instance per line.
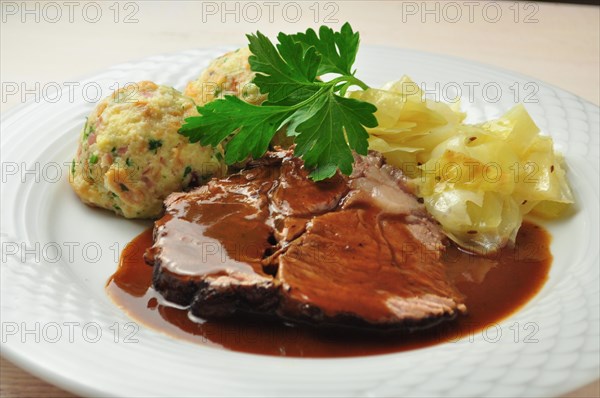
x=559 y=44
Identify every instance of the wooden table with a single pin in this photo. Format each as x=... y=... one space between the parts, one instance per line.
x=555 y=43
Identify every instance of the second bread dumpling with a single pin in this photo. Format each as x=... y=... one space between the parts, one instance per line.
x=229 y=74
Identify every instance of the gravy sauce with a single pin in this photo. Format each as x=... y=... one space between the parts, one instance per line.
x=495 y=287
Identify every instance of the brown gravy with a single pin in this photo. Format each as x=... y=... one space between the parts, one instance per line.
x=494 y=286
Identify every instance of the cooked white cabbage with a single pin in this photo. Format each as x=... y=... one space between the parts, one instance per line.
x=477 y=180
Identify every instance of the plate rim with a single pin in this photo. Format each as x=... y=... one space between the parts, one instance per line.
x=74 y=385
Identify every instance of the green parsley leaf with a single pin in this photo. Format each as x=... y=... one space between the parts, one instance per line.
x=325 y=125
x=337 y=49
x=286 y=73
x=254 y=127
x=321 y=141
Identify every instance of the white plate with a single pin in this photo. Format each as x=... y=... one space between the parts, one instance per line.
x=57 y=255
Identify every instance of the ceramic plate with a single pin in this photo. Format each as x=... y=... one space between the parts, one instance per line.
x=57 y=255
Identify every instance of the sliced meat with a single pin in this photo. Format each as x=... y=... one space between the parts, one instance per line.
x=209 y=246
x=295 y=199
x=362 y=268
x=376 y=261
x=358 y=250
x=379 y=185
x=294 y=194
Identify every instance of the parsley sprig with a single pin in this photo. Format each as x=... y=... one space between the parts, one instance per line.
x=326 y=126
